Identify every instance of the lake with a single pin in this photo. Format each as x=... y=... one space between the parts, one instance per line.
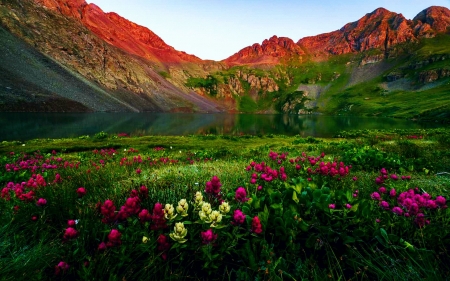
x=25 y=126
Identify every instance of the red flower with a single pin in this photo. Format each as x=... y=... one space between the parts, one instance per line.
x=144 y=191
x=144 y=215
x=70 y=233
x=241 y=195
x=256 y=225
x=41 y=202
x=108 y=211
x=213 y=187
x=238 y=217
x=101 y=246
x=81 y=191
x=114 y=238
x=159 y=222
x=163 y=245
x=208 y=236
x=61 y=267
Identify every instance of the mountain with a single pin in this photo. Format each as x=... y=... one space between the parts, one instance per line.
x=67 y=55
x=380 y=29
x=117 y=65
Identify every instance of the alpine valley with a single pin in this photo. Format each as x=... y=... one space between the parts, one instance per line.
x=70 y=56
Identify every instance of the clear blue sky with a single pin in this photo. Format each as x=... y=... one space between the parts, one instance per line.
x=216 y=29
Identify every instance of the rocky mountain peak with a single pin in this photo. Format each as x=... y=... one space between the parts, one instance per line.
x=438 y=18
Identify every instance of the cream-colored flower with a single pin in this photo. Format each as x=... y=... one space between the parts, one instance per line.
x=198 y=198
x=169 y=212
x=179 y=233
x=205 y=211
x=224 y=208
x=144 y=239
x=215 y=217
x=183 y=207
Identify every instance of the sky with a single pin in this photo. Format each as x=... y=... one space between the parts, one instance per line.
x=216 y=29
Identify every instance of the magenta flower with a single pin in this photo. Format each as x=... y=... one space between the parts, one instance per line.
x=101 y=246
x=70 y=233
x=159 y=222
x=138 y=171
x=355 y=178
x=144 y=215
x=332 y=206
x=241 y=195
x=41 y=202
x=392 y=193
x=384 y=205
x=382 y=189
x=441 y=201
x=397 y=210
x=348 y=206
x=394 y=177
x=208 y=236
x=375 y=196
x=238 y=217
x=260 y=188
x=143 y=190
x=256 y=225
x=71 y=223
x=61 y=267
x=81 y=191
x=163 y=245
x=213 y=187
x=114 y=238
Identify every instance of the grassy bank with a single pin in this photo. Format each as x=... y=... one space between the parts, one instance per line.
x=368 y=205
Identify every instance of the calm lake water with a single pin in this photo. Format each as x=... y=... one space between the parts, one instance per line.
x=25 y=126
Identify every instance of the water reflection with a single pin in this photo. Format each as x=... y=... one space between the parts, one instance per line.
x=23 y=126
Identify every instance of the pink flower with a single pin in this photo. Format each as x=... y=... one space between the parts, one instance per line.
x=382 y=189
x=144 y=215
x=143 y=190
x=61 y=267
x=71 y=223
x=238 y=217
x=101 y=246
x=348 y=206
x=397 y=210
x=213 y=187
x=394 y=177
x=108 y=211
x=163 y=245
x=241 y=195
x=208 y=236
x=260 y=188
x=41 y=202
x=114 y=238
x=355 y=178
x=375 y=196
x=81 y=191
x=377 y=220
x=256 y=225
x=384 y=205
x=440 y=200
x=332 y=206
x=70 y=233
x=159 y=222
x=392 y=193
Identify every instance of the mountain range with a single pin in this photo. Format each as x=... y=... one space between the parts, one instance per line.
x=68 y=55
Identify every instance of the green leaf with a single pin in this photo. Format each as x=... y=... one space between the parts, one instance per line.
x=294 y=197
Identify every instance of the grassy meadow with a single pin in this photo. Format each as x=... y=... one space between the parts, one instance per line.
x=365 y=205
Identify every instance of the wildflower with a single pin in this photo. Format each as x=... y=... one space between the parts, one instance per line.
x=169 y=212
x=71 y=223
x=348 y=206
x=420 y=220
x=144 y=239
x=441 y=201
x=256 y=225
x=384 y=205
x=208 y=236
x=375 y=196
x=397 y=210
x=183 y=207
x=138 y=171
x=101 y=246
x=259 y=188
x=70 y=233
x=238 y=217
x=377 y=220
x=41 y=202
x=355 y=178
x=213 y=186
x=224 y=208
x=144 y=215
x=108 y=211
x=179 y=233
x=382 y=189
x=241 y=195
x=81 y=191
x=392 y=193
x=205 y=211
x=158 y=219
x=61 y=267
x=394 y=177
x=163 y=245
x=215 y=217
x=114 y=238
x=198 y=198
x=332 y=206
x=143 y=190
